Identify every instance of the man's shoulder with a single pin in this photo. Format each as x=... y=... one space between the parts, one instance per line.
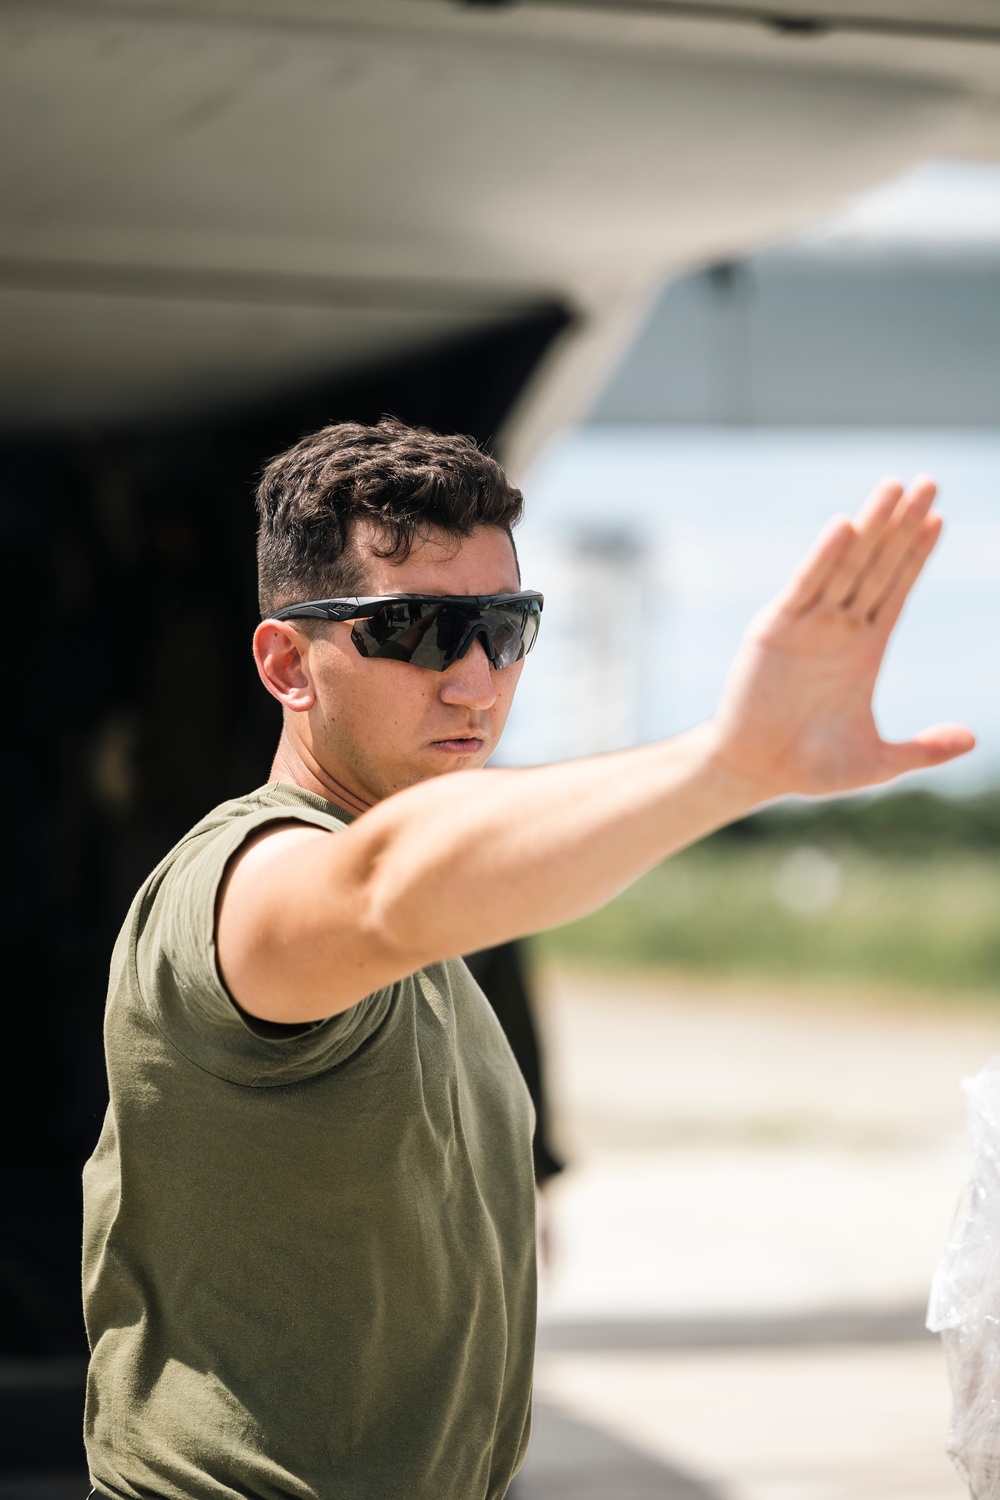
x=272 y=800
x=165 y=978
x=222 y=831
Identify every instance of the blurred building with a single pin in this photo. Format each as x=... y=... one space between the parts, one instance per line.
x=602 y=643
x=821 y=335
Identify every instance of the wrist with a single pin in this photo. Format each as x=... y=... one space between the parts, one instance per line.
x=736 y=788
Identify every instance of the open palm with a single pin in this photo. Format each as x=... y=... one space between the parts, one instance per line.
x=796 y=714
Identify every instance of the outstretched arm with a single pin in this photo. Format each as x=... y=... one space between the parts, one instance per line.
x=310 y=922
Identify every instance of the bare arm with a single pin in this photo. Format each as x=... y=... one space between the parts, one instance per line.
x=309 y=922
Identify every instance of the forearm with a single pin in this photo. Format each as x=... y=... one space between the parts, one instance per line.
x=473 y=859
x=462 y=862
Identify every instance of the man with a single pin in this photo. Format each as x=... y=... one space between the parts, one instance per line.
x=309 y=1242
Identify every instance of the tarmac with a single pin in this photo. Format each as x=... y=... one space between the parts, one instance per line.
x=762 y=1182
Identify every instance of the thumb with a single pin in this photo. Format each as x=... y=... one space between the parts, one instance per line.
x=931 y=747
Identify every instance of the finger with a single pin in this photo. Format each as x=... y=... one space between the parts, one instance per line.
x=871 y=524
x=885 y=610
x=809 y=581
x=900 y=537
x=931 y=747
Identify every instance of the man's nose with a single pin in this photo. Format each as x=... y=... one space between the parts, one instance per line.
x=468 y=682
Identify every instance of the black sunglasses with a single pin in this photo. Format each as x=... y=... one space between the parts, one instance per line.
x=432 y=630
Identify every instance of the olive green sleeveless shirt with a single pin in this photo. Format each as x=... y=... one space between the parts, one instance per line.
x=308 y=1252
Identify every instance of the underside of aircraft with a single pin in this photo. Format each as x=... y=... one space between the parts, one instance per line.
x=204 y=205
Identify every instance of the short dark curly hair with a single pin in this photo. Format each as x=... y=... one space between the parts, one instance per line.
x=402 y=480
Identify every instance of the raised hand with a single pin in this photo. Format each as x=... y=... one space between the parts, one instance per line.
x=796 y=713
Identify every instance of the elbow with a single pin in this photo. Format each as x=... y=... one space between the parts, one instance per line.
x=389 y=917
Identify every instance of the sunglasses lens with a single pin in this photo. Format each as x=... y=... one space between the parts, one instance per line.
x=404 y=630
x=512 y=632
x=434 y=635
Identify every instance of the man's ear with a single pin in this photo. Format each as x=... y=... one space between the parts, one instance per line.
x=282 y=656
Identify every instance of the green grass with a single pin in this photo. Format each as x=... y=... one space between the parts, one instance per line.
x=721 y=909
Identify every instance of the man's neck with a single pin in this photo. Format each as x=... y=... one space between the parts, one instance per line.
x=294 y=764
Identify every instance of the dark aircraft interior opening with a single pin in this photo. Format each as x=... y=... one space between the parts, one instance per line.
x=131 y=576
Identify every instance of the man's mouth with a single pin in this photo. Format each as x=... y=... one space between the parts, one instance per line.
x=465 y=744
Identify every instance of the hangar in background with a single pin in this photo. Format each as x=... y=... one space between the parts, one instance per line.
x=878 y=320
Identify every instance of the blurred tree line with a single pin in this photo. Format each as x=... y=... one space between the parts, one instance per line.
x=899 y=823
x=899 y=891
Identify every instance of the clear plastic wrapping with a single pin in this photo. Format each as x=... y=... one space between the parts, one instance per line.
x=965 y=1298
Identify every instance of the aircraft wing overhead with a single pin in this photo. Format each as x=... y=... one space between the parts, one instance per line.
x=198 y=202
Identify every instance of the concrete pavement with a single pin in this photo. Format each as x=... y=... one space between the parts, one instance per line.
x=763 y=1181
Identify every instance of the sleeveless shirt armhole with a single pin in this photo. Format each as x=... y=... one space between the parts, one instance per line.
x=175 y=969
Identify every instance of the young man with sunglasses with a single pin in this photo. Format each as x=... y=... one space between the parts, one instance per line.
x=309 y=1240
